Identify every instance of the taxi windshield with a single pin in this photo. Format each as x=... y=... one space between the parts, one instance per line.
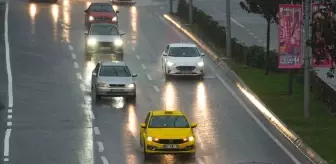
x=168 y=122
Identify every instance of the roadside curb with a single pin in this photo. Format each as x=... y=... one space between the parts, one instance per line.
x=269 y=115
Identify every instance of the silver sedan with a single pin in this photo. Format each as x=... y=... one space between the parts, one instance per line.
x=113 y=79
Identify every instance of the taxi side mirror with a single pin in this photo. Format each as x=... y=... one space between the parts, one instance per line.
x=143 y=125
x=86 y=11
x=193 y=125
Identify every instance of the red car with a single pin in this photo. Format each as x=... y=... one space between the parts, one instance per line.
x=101 y=12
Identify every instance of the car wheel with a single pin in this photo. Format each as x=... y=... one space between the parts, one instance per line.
x=141 y=144
x=146 y=155
x=131 y=98
x=98 y=97
x=201 y=77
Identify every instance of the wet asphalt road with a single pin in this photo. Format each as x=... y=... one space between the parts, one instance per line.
x=55 y=120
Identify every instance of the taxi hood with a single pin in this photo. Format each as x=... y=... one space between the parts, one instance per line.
x=169 y=133
x=103 y=14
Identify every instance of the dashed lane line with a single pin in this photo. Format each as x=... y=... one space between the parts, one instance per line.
x=70 y=48
x=137 y=56
x=9 y=123
x=92 y=115
x=199 y=161
x=156 y=88
x=9 y=117
x=82 y=87
x=96 y=130
x=75 y=65
x=73 y=56
x=104 y=160
x=149 y=77
x=100 y=146
x=143 y=66
x=79 y=76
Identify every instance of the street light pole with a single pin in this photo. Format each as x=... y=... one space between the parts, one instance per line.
x=228 y=29
x=307 y=16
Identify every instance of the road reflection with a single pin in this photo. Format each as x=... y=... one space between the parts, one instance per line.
x=32 y=13
x=55 y=14
x=205 y=132
x=170 y=97
x=134 y=18
x=66 y=20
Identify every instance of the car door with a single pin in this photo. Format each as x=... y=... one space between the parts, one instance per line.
x=164 y=56
x=95 y=75
x=142 y=130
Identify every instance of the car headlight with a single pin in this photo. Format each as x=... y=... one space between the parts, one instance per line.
x=92 y=42
x=169 y=63
x=200 y=64
x=118 y=42
x=114 y=19
x=103 y=85
x=91 y=18
x=130 y=86
x=152 y=139
x=191 y=138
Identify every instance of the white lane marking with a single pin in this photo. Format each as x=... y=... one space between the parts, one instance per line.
x=8 y=63
x=10 y=111
x=258 y=121
x=255 y=36
x=156 y=88
x=70 y=47
x=100 y=146
x=9 y=123
x=92 y=115
x=6 y=159
x=199 y=161
x=251 y=33
x=149 y=77
x=133 y=48
x=104 y=160
x=73 y=56
x=79 y=76
x=82 y=87
x=6 y=143
x=143 y=66
x=237 y=23
x=9 y=116
x=137 y=56
x=76 y=65
x=260 y=40
x=96 y=130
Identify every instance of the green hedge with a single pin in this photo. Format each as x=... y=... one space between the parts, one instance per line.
x=214 y=33
x=210 y=31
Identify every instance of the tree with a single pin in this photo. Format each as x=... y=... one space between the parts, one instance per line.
x=269 y=10
x=323 y=36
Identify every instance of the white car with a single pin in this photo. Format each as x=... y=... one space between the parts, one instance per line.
x=182 y=59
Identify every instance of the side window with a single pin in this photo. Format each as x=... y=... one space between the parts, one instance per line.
x=97 y=68
x=167 y=49
x=147 y=118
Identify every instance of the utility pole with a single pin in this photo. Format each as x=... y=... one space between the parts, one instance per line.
x=171 y=6
x=307 y=16
x=191 y=12
x=228 y=29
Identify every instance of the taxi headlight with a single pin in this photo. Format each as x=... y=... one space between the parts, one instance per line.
x=118 y=42
x=114 y=19
x=130 y=86
x=169 y=63
x=200 y=64
x=103 y=85
x=91 y=18
x=92 y=42
x=191 y=138
x=152 y=138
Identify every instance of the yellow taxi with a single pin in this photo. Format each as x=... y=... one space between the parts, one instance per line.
x=167 y=132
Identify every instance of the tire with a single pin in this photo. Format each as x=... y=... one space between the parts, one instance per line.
x=141 y=145
x=191 y=155
x=98 y=97
x=131 y=98
x=146 y=155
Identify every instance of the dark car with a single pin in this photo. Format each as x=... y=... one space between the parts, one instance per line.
x=100 y=13
x=43 y=1
x=123 y=1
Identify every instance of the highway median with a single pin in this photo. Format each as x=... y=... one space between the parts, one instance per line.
x=245 y=69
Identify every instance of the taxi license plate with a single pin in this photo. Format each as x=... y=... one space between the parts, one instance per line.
x=105 y=48
x=170 y=146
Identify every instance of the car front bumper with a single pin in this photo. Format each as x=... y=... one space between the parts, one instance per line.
x=184 y=70
x=107 y=47
x=102 y=91
x=157 y=148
